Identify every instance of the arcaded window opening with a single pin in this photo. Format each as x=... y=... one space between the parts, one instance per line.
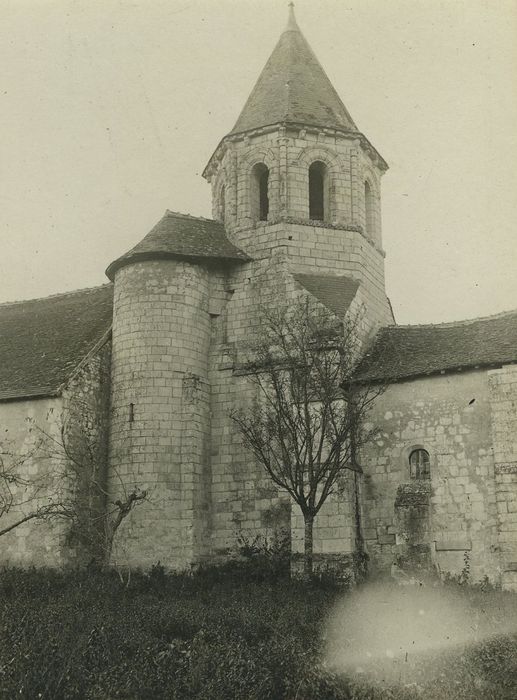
x=369 y=210
x=260 y=192
x=318 y=191
x=419 y=464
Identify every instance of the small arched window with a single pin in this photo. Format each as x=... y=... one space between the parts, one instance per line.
x=222 y=203
x=419 y=464
x=260 y=192
x=368 y=209
x=318 y=191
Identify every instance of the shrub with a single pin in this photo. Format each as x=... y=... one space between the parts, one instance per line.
x=83 y=634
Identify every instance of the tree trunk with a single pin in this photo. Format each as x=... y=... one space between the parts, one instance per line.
x=360 y=555
x=359 y=540
x=308 y=546
x=109 y=536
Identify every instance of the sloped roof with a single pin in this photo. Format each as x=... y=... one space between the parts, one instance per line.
x=334 y=292
x=181 y=236
x=42 y=341
x=400 y=352
x=293 y=87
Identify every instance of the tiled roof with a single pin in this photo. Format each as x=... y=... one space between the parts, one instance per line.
x=293 y=87
x=42 y=341
x=336 y=293
x=400 y=352
x=181 y=236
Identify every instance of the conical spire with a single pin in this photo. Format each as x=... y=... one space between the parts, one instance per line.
x=293 y=87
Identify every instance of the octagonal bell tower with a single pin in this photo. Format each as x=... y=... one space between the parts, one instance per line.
x=295 y=172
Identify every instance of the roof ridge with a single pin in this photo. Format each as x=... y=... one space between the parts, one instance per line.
x=181 y=215
x=453 y=324
x=291 y=26
x=57 y=294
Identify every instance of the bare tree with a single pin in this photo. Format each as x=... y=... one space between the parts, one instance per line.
x=24 y=496
x=92 y=513
x=308 y=419
x=71 y=483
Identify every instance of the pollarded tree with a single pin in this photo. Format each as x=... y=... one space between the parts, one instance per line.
x=307 y=422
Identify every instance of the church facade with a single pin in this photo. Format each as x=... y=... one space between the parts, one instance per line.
x=158 y=357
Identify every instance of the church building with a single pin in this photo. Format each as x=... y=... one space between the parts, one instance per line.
x=158 y=354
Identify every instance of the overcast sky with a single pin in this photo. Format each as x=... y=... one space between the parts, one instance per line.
x=110 y=111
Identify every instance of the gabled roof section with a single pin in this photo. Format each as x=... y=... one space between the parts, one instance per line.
x=182 y=236
x=336 y=293
x=293 y=87
x=401 y=352
x=42 y=341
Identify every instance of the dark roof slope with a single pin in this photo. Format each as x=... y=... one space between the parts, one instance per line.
x=399 y=352
x=336 y=293
x=42 y=341
x=181 y=236
x=293 y=87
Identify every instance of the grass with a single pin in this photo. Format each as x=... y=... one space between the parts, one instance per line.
x=83 y=634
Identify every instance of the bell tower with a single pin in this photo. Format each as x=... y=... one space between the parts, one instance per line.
x=296 y=172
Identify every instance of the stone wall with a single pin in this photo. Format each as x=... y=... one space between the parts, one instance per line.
x=334 y=531
x=23 y=426
x=450 y=417
x=51 y=462
x=503 y=404
x=288 y=153
x=341 y=244
x=245 y=503
x=161 y=409
x=86 y=422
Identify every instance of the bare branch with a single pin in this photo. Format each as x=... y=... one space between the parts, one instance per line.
x=306 y=421
x=72 y=487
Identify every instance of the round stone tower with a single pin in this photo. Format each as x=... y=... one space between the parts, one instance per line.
x=160 y=394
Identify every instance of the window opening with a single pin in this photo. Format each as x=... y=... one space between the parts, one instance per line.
x=222 y=203
x=260 y=193
x=419 y=464
x=317 y=191
x=368 y=209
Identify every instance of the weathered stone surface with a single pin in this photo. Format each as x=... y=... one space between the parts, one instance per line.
x=458 y=503
x=446 y=545
x=386 y=539
x=415 y=493
x=32 y=441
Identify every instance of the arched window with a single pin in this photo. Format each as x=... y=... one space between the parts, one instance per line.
x=368 y=210
x=318 y=191
x=259 y=192
x=419 y=464
x=222 y=203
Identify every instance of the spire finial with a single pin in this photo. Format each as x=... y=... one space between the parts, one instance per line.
x=291 y=21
